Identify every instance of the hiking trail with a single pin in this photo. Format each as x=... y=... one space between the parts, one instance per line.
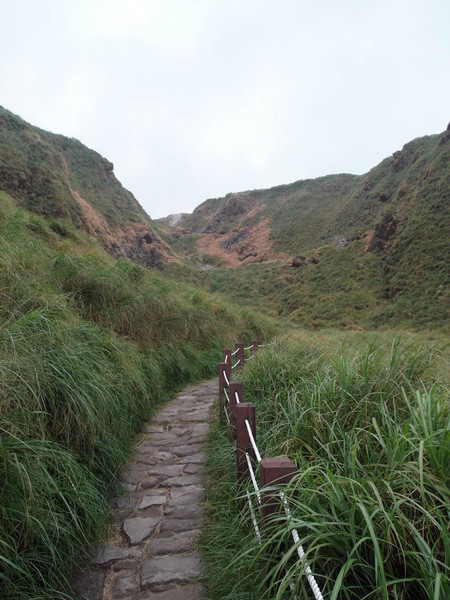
x=152 y=552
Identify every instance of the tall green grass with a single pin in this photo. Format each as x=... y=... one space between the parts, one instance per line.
x=369 y=432
x=88 y=348
x=226 y=531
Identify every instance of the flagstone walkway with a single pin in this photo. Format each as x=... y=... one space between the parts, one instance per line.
x=152 y=552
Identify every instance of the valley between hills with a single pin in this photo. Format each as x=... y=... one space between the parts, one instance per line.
x=105 y=314
x=343 y=251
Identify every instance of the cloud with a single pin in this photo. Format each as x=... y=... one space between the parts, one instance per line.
x=194 y=98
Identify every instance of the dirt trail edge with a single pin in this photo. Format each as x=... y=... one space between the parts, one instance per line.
x=152 y=552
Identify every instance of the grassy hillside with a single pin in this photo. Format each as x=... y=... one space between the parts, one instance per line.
x=369 y=251
x=293 y=210
x=310 y=213
x=88 y=347
x=343 y=289
x=56 y=176
x=348 y=288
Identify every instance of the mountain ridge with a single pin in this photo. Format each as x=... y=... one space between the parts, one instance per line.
x=391 y=222
x=59 y=177
x=351 y=251
x=357 y=201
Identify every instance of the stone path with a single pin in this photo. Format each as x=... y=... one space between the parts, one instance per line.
x=152 y=552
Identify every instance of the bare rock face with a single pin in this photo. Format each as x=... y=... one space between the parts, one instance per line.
x=445 y=136
x=241 y=243
x=399 y=160
x=383 y=233
x=302 y=261
x=147 y=254
x=236 y=238
x=233 y=206
x=175 y=219
x=340 y=242
x=299 y=261
x=139 y=243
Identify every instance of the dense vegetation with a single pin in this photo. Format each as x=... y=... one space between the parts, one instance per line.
x=368 y=427
x=88 y=347
x=309 y=213
x=347 y=288
x=374 y=248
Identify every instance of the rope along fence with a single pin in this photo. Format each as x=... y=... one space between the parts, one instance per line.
x=277 y=471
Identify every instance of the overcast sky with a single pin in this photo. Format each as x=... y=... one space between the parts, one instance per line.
x=192 y=99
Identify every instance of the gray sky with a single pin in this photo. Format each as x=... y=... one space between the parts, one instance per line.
x=191 y=99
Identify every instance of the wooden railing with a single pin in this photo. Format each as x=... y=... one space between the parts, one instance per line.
x=273 y=473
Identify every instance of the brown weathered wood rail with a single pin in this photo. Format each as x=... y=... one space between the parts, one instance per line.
x=275 y=473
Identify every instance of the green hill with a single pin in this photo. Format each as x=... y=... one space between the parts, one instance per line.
x=368 y=250
x=342 y=250
x=56 y=176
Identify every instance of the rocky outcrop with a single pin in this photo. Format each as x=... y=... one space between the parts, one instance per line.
x=176 y=219
x=299 y=261
x=241 y=243
x=139 y=244
x=399 y=161
x=383 y=233
x=341 y=241
x=445 y=136
x=235 y=205
x=302 y=261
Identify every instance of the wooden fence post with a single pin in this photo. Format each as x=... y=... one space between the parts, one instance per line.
x=254 y=347
x=272 y=472
x=224 y=369
x=240 y=354
x=244 y=411
x=235 y=388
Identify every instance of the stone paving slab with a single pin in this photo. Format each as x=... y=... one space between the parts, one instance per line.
x=188 y=591
x=152 y=552
x=163 y=572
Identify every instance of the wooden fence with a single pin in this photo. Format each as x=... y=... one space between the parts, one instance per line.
x=275 y=472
